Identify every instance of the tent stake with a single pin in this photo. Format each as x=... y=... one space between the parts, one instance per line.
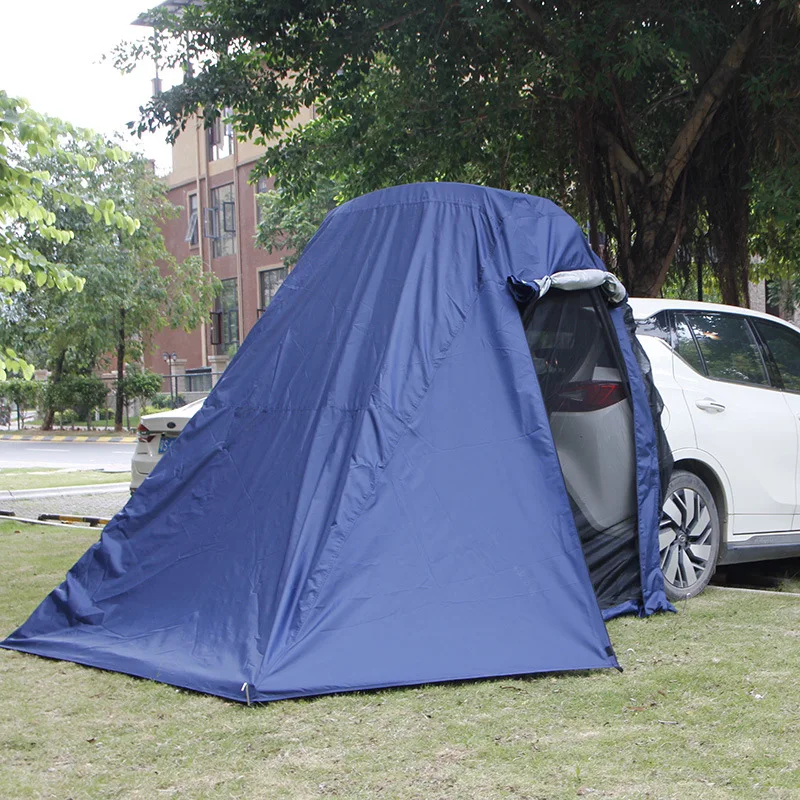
x=246 y=689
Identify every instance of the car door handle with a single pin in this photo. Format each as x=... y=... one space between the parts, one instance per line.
x=712 y=406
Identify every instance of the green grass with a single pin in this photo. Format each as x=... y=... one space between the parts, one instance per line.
x=708 y=707
x=42 y=478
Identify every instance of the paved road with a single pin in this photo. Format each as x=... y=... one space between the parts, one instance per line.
x=111 y=456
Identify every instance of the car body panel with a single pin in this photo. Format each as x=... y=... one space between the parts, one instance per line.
x=755 y=439
x=675 y=419
x=793 y=404
x=686 y=456
x=750 y=445
x=163 y=428
x=587 y=443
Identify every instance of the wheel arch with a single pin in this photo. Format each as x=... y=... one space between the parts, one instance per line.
x=716 y=486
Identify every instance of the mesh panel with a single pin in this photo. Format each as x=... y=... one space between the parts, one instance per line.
x=584 y=386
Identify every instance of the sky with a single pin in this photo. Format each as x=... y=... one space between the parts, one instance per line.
x=52 y=56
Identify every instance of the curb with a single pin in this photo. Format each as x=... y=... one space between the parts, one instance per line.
x=58 y=437
x=92 y=522
x=28 y=521
x=748 y=590
x=50 y=519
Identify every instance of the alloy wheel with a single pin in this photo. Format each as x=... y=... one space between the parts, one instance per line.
x=685 y=540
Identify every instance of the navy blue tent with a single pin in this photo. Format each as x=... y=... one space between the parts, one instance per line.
x=371 y=495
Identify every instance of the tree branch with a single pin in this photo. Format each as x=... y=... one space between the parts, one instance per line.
x=666 y=262
x=393 y=23
x=710 y=99
x=621 y=156
x=538 y=24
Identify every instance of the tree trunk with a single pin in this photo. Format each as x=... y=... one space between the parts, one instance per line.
x=650 y=209
x=729 y=207
x=55 y=377
x=119 y=400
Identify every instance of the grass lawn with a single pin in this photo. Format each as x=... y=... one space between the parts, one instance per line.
x=708 y=707
x=42 y=478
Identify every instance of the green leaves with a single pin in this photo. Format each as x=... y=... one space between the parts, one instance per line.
x=594 y=105
x=11 y=362
x=47 y=170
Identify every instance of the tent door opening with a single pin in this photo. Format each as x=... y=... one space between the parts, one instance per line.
x=585 y=390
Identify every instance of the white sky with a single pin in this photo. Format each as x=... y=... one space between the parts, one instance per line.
x=51 y=55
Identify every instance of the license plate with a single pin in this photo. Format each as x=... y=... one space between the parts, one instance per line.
x=165 y=443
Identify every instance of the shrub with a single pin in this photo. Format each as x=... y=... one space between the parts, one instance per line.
x=75 y=396
x=69 y=417
x=161 y=401
x=23 y=394
x=140 y=384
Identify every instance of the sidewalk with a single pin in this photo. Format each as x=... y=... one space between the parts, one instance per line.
x=62 y=491
x=102 y=500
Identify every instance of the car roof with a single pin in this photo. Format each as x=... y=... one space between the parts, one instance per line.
x=644 y=307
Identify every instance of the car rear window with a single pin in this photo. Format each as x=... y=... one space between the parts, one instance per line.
x=568 y=343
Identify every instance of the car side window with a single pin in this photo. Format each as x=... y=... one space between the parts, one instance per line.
x=784 y=346
x=656 y=326
x=685 y=345
x=728 y=348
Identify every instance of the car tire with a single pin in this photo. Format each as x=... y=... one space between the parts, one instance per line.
x=689 y=536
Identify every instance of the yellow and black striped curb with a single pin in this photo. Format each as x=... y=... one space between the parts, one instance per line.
x=72 y=518
x=11 y=516
x=67 y=437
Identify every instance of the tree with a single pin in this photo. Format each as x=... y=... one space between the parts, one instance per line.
x=79 y=393
x=22 y=393
x=646 y=121
x=140 y=384
x=24 y=135
x=132 y=286
x=288 y=223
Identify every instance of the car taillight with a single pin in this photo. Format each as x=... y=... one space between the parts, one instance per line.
x=143 y=434
x=589 y=396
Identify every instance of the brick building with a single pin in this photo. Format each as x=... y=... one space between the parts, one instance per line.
x=210 y=183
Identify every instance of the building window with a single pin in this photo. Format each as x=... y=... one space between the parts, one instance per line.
x=220 y=221
x=270 y=281
x=219 y=137
x=198 y=380
x=261 y=188
x=192 y=221
x=225 y=319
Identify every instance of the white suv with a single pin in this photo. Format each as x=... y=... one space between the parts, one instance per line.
x=730 y=381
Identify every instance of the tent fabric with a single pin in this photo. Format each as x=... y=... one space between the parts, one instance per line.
x=653 y=464
x=370 y=496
